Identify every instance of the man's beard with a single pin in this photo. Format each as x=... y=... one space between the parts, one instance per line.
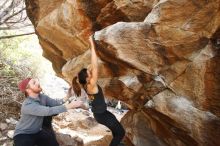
x=37 y=91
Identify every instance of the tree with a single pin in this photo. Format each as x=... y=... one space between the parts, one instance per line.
x=13 y=17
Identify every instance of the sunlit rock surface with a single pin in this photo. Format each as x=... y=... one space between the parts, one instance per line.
x=160 y=57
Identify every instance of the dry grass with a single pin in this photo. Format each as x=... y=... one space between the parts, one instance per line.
x=10 y=97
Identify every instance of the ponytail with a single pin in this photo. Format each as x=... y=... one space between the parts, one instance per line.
x=76 y=87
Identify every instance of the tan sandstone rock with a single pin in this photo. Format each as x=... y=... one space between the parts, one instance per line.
x=159 y=57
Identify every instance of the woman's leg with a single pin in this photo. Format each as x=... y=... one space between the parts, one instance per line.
x=110 y=121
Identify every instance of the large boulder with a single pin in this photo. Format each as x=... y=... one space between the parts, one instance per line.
x=159 y=57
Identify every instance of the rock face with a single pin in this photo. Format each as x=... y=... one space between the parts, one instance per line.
x=66 y=140
x=160 y=57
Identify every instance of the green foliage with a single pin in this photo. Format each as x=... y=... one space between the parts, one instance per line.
x=21 y=56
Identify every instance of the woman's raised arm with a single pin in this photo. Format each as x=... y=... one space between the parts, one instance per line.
x=94 y=62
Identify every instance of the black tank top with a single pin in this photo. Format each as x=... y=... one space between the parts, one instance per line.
x=98 y=101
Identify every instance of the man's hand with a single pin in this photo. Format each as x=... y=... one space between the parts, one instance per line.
x=68 y=95
x=74 y=104
x=85 y=107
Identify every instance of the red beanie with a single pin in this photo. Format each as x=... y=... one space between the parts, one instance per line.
x=23 y=84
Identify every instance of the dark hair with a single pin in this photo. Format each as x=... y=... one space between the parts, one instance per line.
x=82 y=75
x=76 y=87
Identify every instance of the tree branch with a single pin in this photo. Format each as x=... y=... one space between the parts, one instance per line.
x=18 y=35
x=7 y=10
x=15 y=27
x=6 y=19
x=3 y=5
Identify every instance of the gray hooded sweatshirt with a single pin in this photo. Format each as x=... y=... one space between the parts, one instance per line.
x=33 y=111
